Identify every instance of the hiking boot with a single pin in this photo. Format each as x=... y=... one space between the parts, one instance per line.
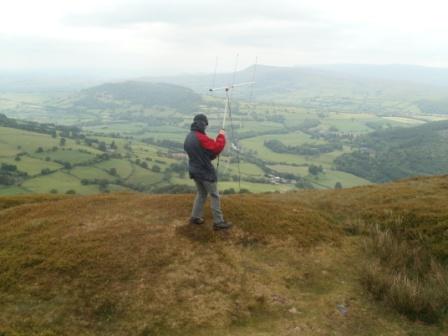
x=196 y=220
x=222 y=225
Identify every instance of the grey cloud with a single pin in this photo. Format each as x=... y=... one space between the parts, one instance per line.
x=41 y=54
x=194 y=12
x=300 y=36
x=192 y=32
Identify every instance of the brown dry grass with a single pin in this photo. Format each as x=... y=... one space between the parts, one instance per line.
x=128 y=264
x=87 y=261
x=405 y=276
x=11 y=201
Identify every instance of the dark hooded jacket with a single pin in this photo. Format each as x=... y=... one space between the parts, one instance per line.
x=201 y=151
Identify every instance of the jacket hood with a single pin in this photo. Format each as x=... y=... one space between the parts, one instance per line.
x=198 y=126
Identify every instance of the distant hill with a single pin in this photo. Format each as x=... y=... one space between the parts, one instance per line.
x=356 y=82
x=269 y=79
x=393 y=72
x=42 y=82
x=296 y=263
x=392 y=154
x=146 y=94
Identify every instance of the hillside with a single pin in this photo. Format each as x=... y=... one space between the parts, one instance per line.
x=391 y=154
x=144 y=94
x=294 y=264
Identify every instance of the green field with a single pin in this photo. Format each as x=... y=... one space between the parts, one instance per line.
x=257 y=144
x=258 y=126
x=90 y=173
x=14 y=190
x=124 y=167
x=347 y=125
x=176 y=137
x=28 y=141
x=66 y=155
x=331 y=177
x=247 y=169
x=31 y=165
x=327 y=180
x=407 y=121
x=117 y=127
x=60 y=181
x=301 y=170
x=295 y=139
x=7 y=149
x=144 y=176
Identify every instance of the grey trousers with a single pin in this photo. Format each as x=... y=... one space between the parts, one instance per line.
x=204 y=188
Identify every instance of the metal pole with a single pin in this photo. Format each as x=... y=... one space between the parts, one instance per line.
x=226 y=108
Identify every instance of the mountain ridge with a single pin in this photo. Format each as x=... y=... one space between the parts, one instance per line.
x=368 y=73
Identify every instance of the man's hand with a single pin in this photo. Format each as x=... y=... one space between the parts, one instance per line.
x=221 y=131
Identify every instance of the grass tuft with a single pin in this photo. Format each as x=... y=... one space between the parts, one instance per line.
x=405 y=276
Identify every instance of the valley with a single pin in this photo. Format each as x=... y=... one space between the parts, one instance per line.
x=115 y=137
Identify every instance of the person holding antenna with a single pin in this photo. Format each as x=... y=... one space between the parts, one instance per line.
x=201 y=151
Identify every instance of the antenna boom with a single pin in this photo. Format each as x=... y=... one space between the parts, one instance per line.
x=227 y=88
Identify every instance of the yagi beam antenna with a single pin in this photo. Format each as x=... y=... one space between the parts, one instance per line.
x=227 y=105
x=227 y=88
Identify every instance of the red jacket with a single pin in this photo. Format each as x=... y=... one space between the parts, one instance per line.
x=215 y=146
x=201 y=151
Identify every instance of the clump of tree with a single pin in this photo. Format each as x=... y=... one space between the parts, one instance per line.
x=179 y=168
x=229 y=191
x=305 y=149
x=315 y=170
x=102 y=184
x=46 y=171
x=113 y=172
x=141 y=163
x=304 y=184
x=43 y=128
x=10 y=175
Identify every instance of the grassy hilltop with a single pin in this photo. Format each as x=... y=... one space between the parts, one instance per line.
x=363 y=261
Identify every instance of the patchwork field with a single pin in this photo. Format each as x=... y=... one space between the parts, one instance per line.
x=120 y=145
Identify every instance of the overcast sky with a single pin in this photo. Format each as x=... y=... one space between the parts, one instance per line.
x=155 y=37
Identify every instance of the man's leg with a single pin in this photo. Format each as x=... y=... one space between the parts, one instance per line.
x=201 y=196
x=212 y=189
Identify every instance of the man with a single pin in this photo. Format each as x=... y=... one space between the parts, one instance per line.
x=201 y=151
